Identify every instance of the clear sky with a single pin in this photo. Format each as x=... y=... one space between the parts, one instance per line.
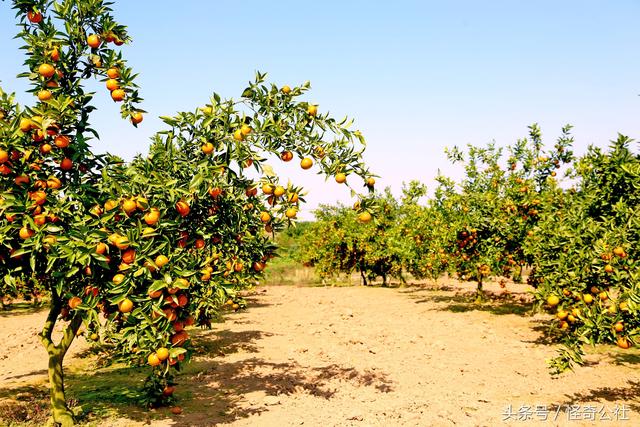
x=416 y=75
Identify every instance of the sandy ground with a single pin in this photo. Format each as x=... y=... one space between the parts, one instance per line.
x=358 y=356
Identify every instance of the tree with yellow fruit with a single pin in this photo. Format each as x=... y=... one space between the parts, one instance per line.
x=139 y=252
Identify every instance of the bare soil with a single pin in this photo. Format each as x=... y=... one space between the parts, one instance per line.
x=354 y=356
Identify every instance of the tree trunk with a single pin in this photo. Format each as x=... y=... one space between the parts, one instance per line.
x=479 y=291
x=364 y=279
x=60 y=412
x=384 y=280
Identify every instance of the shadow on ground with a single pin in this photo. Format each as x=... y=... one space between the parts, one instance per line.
x=211 y=390
x=628 y=395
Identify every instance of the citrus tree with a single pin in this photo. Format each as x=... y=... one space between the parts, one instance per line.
x=137 y=252
x=494 y=208
x=585 y=251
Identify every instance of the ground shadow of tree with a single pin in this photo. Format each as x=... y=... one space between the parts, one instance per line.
x=621 y=395
x=462 y=302
x=211 y=389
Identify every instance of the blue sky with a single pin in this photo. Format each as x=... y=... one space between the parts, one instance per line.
x=416 y=75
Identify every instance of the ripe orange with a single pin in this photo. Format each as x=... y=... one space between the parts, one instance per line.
x=341 y=178
x=55 y=54
x=370 y=182
x=74 y=302
x=122 y=242
x=176 y=410
x=215 y=192
x=101 y=248
x=153 y=360
x=619 y=251
x=129 y=206
x=25 y=125
x=267 y=188
x=246 y=130
x=364 y=217
x=168 y=390
x=117 y=279
x=183 y=208
x=278 y=191
x=161 y=261
x=286 y=156
x=125 y=306
x=152 y=217
x=162 y=353
x=618 y=326
x=608 y=268
x=238 y=135
x=312 y=110
x=46 y=70
x=137 y=118
x=291 y=213
x=306 y=163
x=553 y=300
x=26 y=233
x=286 y=89
x=293 y=198
x=259 y=266
x=118 y=95
x=66 y=164
x=40 y=219
x=113 y=73
x=129 y=256
x=265 y=217
x=93 y=41
x=207 y=148
x=623 y=342
x=112 y=84
x=4 y=156
x=34 y=17
x=62 y=141
x=588 y=298
x=45 y=95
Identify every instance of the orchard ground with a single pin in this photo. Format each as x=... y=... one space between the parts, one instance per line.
x=341 y=355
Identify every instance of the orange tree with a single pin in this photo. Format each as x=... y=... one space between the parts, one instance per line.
x=347 y=240
x=137 y=252
x=586 y=259
x=492 y=211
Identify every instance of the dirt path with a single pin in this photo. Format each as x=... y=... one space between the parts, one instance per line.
x=373 y=357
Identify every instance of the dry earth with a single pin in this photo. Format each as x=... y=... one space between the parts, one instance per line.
x=355 y=356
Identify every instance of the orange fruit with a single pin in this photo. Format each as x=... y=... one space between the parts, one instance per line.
x=153 y=360
x=553 y=300
x=259 y=266
x=215 y=192
x=26 y=233
x=136 y=118
x=118 y=95
x=117 y=279
x=155 y=294
x=74 y=302
x=44 y=95
x=34 y=17
x=62 y=141
x=618 y=326
x=152 y=217
x=176 y=410
x=113 y=73
x=207 y=148
x=161 y=261
x=93 y=41
x=623 y=342
x=364 y=217
x=66 y=164
x=312 y=110
x=291 y=213
x=265 y=217
x=179 y=338
x=122 y=242
x=279 y=191
x=238 y=135
x=168 y=390
x=112 y=84
x=101 y=248
x=286 y=156
x=286 y=89
x=183 y=208
x=267 y=188
x=162 y=353
x=370 y=182
x=4 y=156
x=619 y=251
x=588 y=298
x=125 y=306
x=46 y=70
x=306 y=163
x=245 y=130
x=293 y=198
x=341 y=178
x=129 y=256
x=608 y=268
x=129 y=206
